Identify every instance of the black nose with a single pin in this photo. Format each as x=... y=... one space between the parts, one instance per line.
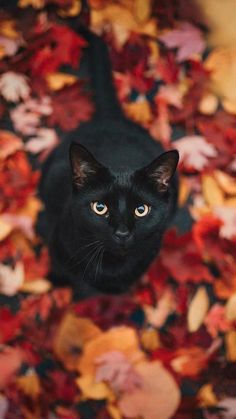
x=122 y=234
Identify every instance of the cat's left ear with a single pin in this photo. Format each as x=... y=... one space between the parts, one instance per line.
x=162 y=169
x=83 y=164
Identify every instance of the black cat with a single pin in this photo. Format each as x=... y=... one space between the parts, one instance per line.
x=106 y=205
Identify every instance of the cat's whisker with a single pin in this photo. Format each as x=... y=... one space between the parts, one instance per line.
x=75 y=255
x=93 y=257
x=98 y=266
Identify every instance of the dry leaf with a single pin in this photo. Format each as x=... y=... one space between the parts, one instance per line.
x=195 y=151
x=71 y=336
x=8 y=29
x=57 y=81
x=150 y=339
x=10 y=361
x=221 y=63
x=211 y=191
x=206 y=396
x=230 y=342
x=142 y=10
x=226 y=182
x=29 y=384
x=11 y=279
x=197 y=309
x=92 y=389
x=208 y=104
x=37 y=4
x=139 y=111
x=230 y=308
x=123 y=339
x=14 y=86
x=228 y=216
x=38 y=286
x=166 y=305
x=189 y=362
x=9 y=144
x=158 y=398
x=5 y=228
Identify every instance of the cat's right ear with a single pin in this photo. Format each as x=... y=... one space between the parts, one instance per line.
x=83 y=164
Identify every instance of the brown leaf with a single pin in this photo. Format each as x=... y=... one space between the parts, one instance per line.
x=158 y=398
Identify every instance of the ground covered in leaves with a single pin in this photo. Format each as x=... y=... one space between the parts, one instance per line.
x=168 y=349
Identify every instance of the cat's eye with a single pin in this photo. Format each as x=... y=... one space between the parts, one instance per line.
x=142 y=210
x=99 y=208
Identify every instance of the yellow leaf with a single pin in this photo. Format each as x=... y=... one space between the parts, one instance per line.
x=184 y=191
x=197 y=309
x=123 y=339
x=139 y=111
x=150 y=339
x=58 y=80
x=211 y=191
x=208 y=104
x=31 y=208
x=230 y=340
x=37 y=4
x=74 y=10
x=113 y=411
x=71 y=337
x=157 y=398
x=226 y=182
x=29 y=384
x=222 y=66
x=38 y=286
x=206 y=396
x=5 y=229
x=93 y=390
x=8 y=29
x=230 y=308
x=142 y=10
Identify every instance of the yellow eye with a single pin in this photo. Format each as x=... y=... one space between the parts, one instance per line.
x=99 y=208
x=142 y=210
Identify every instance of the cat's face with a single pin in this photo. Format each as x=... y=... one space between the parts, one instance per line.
x=121 y=211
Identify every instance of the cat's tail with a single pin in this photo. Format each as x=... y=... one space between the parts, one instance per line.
x=105 y=98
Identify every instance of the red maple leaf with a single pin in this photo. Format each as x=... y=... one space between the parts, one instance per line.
x=9 y=324
x=70 y=107
x=59 y=45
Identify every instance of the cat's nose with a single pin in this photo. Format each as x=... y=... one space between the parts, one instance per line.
x=122 y=233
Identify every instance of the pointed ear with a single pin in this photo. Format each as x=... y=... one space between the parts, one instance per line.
x=162 y=169
x=83 y=164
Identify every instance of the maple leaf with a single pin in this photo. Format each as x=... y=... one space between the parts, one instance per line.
x=116 y=369
x=59 y=45
x=188 y=39
x=11 y=279
x=44 y=142
x=216 y=321
x=9 y=324
x=195 y=151
x=70 y=107
x=26 y=117
x=10 y=45
x=157 y=398
x=228 y=216
x=14 y=86
x=9 y=144
x=10 y=361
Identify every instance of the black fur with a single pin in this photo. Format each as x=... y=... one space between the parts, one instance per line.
x=121 y=169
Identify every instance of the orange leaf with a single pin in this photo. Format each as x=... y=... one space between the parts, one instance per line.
x=72 y=335
x=29 y=384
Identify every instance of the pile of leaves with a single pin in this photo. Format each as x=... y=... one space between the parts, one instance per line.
x=168 y=348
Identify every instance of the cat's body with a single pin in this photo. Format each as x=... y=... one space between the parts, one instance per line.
x=109 y=251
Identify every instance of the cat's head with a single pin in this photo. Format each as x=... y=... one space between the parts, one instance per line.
x=122 y=210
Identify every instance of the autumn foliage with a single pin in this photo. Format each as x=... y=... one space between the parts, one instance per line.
x=168 y=348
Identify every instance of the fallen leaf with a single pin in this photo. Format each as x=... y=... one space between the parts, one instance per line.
x=226 y=182
x=207 y=396
x=188 y=39
x=212 y=193
x=139 y=111
x=9 y=144
x=230 y=308
x=14 y=86
x=216 y=320
x=189 y=362
x=29 y=384
x=71 y=337
x=195 y=151
x=38 y=286
x=230 y=341
x=118 y=371
x=158 y=398
x=123 y=339
x=57 y=81
x=158 y=315
x=197 y=309
x=10 y=45
x=150 y=339
x=10 y=361
x=45 y=141
x=92 y=389
x=26 y=117
x=228 y=218
x=11 y=279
